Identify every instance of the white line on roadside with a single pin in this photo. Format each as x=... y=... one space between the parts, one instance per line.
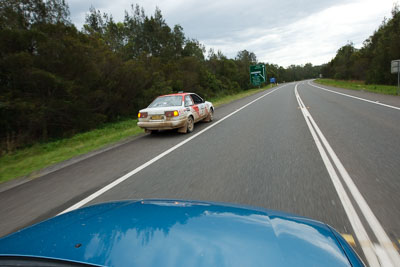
x=362 y=203
x=148 y=163
x=355 y=97
x=387 y=253
x=355 y=221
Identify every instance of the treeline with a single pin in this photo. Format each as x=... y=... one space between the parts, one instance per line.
x=371 y=63
x=293 y=72
x=56 y=80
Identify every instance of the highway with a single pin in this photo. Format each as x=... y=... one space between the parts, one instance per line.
x=302 y=148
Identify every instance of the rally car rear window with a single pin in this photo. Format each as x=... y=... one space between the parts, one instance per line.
x=166 y=101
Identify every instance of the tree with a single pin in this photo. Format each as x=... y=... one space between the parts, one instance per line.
x=94 y=22
x=193 y=48
x=246 y=57
x=371 y=62
x=22 y=14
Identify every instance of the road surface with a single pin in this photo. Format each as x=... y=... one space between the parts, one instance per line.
x=299 y=148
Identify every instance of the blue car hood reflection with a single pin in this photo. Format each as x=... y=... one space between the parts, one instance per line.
x=179 y=233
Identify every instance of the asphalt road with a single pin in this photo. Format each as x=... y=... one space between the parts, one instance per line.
x=262 y=155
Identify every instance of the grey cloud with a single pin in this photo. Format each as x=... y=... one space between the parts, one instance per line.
x=210 y=18
x=281 y=32
x=216 y=19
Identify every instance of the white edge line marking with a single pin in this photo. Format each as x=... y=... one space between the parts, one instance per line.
x=376 y=227
x=359 y=98
x=148 y=163
x=373 y=222
x=355 y=221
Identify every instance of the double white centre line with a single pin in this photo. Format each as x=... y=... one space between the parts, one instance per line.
x=382 y=254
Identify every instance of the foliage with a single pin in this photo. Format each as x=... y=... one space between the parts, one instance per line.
x=30 y=159
x=360 y=86
x=56 y=81
x=372 y=62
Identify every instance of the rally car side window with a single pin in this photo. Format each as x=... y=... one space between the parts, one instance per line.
x=197 y=99
x=188 y=101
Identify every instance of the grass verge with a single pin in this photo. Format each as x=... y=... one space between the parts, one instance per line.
x=360 y=85
x=29 y=160
x=218 y=101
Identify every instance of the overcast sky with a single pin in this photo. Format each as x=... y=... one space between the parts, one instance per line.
x=277 y=31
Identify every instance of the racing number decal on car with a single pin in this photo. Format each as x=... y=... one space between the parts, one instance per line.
x=200 y=105
x=196 y=109
x=202 y=109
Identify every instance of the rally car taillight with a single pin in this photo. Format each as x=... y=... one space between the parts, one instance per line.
x=174 y=113
x=142 y=115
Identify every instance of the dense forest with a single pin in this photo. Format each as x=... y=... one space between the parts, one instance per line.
x=371 y=63
x=56 y=80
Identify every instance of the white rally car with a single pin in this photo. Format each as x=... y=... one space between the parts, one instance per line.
x=175 y=111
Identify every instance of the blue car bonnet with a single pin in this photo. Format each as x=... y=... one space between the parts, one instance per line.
x=179 y=233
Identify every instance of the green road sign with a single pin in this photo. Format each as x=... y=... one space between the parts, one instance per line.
x=257 y=74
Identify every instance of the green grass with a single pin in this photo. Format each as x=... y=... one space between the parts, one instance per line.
x=218 y=101
x=360 y=85
x=30 y=160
